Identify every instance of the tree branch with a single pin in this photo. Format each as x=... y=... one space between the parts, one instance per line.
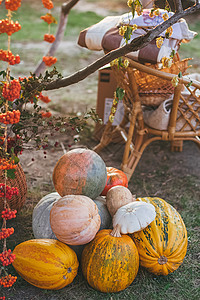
x=135 y=45
x=65 y=9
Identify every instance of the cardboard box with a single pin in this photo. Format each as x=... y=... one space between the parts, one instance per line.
x=106 y=87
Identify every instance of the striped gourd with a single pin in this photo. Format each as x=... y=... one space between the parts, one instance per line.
x=46 y=263
x=162 y=245
x=110 y=263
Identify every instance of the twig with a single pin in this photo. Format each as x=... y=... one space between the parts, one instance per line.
x=63 y=147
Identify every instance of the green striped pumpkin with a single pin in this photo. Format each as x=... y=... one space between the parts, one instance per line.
x=46 y=263
x=110 y=263
x=162 y=245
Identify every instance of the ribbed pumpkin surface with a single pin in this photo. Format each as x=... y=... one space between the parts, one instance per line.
x=162 y=245
x=110 y=264
x=41 y=217
x=75 y=219
x=46 y=263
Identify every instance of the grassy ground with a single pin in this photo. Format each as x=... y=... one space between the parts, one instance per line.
x=172 y=176
x=177 y=183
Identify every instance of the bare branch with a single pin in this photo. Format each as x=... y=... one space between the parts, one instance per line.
x=135 y=45
x=65 y=9
x=67 y=6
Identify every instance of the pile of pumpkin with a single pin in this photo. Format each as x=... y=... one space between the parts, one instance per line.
x=69 y=226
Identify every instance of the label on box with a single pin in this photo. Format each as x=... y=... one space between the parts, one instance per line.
x=119 y=112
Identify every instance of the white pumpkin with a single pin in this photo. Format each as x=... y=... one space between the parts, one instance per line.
x=133 y=217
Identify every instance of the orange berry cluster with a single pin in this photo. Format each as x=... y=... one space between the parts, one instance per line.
x=8 y=281
x=9 y=27
x=48 y=18
x=6 y=232
x=7 y=164
x=47 y=4
x=10 y=117
x=8 y=214
x=45 y=99
x=13 y=4
x=7 y=257
x=46 y=114
x=6 y=55
x=50 y=38
x=10 y=191
x=49 y=60
x=11 y=91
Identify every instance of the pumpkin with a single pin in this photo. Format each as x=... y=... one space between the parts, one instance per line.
x=80 y=172
x=109 y=263
x=114 y=177
x=41 y=221
x=41 y=217
x=118 y=196
x=46 y=263
x=162 y=245
x=105 y=216
x=133 y=217
x=75 y=219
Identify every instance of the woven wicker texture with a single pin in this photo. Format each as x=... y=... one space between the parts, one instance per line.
x=17 y=201
x=152 y=89
x=188 y=115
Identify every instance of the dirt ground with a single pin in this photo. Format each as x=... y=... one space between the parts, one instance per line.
x=157 y=163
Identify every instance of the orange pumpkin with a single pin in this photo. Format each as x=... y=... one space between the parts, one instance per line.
x=114 y=177
x=46 y=263
x=109 y=263
x=162 y=245
x=75 y=219
x=80 y=172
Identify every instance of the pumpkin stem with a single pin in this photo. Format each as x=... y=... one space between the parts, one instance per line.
x=133 y=198
x=116 y=231
x=162 y=260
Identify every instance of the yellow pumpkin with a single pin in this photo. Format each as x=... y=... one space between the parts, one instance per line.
x=46 y=263
x=162 y=245
x=110 y=263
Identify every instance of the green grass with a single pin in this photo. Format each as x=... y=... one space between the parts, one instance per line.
x=191 y=49
x=33 y=28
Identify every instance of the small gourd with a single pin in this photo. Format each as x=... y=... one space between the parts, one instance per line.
x=118 y=196
x=133 y=217
x=114 y=177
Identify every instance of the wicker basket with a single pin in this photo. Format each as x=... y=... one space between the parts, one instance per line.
x=17 y=201
x=154 y=90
